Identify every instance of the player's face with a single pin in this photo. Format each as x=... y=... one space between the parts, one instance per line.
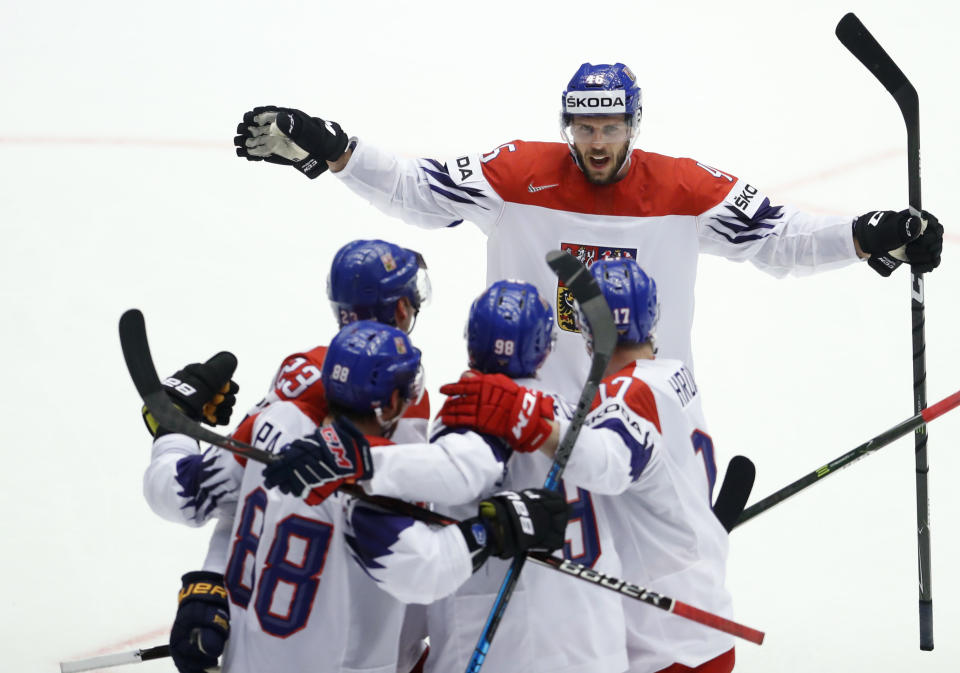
x=601 y=145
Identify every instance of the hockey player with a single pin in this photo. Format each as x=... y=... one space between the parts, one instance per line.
x=296 y=597
x=368 y=279
x=373 y=280
x=596 y=196
x=641 y=445
x=510 y=332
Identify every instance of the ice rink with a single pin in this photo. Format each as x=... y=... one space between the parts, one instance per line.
x=120 y=189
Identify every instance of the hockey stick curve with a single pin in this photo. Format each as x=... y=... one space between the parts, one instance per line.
x=857 y=39
x=903 y=428
x=574 y=275
x=137 y=350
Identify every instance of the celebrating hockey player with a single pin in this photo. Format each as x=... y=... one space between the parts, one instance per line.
x=596 y=196
x=509 y=333
x=642 y=445
x=368 y=279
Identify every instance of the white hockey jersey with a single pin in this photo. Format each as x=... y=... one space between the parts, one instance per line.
x=553 y=623
x=530 y=197
x=644 y=448
x=298 y=602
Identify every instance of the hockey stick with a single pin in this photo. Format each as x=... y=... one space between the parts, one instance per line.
x=855 y=37
x=735 y=491
x=118 y=659
x=588 y=296
x=136 y=353
x=136 y=349
x=896 y=432
x=577 y=570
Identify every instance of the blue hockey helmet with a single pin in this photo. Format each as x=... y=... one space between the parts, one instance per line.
x=367 y=278
x=632 y=297
x=366 y=362
x=599 y=90
x=510 y=329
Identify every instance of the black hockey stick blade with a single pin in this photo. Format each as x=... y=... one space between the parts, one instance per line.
x=136 y=353
x=857 y=39
x=735 y=491
x=854 y=36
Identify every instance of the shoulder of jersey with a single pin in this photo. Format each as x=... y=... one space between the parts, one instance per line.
x=302 y=383
x=544 y=174
x=639 y=397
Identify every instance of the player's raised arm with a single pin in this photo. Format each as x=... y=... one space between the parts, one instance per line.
x=744 y=224
x=430 y=193
x=181 y=483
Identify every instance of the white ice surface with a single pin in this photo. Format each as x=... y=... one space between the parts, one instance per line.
x=119 y=188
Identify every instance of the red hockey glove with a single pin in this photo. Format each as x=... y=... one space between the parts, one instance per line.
x=493 y=404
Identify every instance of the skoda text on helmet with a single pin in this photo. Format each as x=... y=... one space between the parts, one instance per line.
x=365 y=363
x=601 y=90
x=510 y=330
x=632 y=297
x=367 y=278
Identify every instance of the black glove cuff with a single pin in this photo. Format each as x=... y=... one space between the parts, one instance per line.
x=477 y=537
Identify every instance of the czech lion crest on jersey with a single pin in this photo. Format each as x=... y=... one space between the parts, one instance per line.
x=587 y=254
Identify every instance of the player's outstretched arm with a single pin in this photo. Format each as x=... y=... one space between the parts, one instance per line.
x=289 y=137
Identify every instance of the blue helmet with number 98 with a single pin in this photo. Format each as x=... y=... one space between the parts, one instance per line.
x=510 y=330
x=366 y=362
x=632 y=297
x=368 y=278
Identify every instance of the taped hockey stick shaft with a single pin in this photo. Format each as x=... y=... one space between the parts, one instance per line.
x=118 y=659
x=855 y=37
x=896 y=432
x=587 y=293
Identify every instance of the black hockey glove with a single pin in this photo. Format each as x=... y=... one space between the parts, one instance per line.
x=204 y=392
x=321 y=461
x=881 y=231
x=511 y=522
x=923 y=253
x=289 y=137
x=203 y=622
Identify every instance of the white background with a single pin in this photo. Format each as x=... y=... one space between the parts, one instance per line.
x=119 y=188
